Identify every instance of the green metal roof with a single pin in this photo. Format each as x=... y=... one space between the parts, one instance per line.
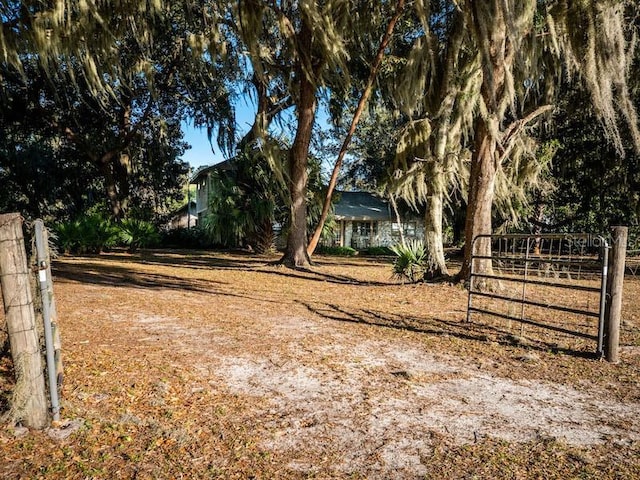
x=361 y=206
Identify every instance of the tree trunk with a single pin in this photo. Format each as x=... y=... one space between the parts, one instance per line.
x=490 y=24
x=111 y=188
x=29 y=403
x=396 y=213
x=122 y=167
x=296 y=250
x=373 y=71
x=481 y=190
x=538 y=216
x=433 y=234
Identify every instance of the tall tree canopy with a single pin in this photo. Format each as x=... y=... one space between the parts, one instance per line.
x=478 y=75
x=309 y=52
x=467 y=80
x=529 y=42
x=114 y=80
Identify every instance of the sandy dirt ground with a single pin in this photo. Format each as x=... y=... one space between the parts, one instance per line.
x=204 y=365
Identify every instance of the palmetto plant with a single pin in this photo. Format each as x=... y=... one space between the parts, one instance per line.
x=412 y=261
x=244 y=203
x=66 y=234
x=88 y=234
x=227 y=222
x=137 y=234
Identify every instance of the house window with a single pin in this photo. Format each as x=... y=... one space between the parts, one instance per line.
x=408 y=229
x=365 y=229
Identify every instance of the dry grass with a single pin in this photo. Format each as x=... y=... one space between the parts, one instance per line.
x=205 y=365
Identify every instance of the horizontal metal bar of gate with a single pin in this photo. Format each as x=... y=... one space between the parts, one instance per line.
x=583 y=288
x=527 y=258
x=548 y=236
x=534 y=323
x=538 y=304
x=539 y=259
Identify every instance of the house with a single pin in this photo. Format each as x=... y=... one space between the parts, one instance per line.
x=184 y=217
x=366 y=220
x=201 y=180
x=363 y=219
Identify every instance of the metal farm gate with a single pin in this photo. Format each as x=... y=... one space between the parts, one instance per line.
x=551 y=288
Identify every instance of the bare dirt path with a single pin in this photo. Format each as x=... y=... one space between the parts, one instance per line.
x=206 y=365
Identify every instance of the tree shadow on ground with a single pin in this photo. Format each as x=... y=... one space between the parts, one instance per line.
x=198 y=259
x=348 y=262
x=461 y=329
x=116 y=276
x=318 y=276
x=109 y=275
x=239 y=261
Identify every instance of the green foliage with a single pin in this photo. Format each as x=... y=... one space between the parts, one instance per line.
x=88 y=234
x=194 y=237
x=137 y=234
x=593 y=186
x=247 y=197
x=337 y=251
x=412 y=262
x=67 y=236
x=242 y=203
x=377 y=252
x=94 y=233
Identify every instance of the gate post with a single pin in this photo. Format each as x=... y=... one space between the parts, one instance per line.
x=41 y=254
x=614 y=294
x=29 y=399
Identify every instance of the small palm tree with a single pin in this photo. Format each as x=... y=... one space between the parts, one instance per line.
x=88 y=234
x=412 y=262
x=138 y=234
x=244 y=203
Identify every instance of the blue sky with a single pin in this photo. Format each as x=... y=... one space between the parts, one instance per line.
x=203 y=153
x=200 y=152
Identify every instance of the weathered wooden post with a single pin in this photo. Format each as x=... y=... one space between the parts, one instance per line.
x=29 y=398
x=614 y=293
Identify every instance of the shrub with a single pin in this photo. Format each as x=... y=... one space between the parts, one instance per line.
x=67 y=234
x=185 y=238
x=138 y=234
x=377 y=251
x=412 y=261
x=88 y=234
x=337 y=251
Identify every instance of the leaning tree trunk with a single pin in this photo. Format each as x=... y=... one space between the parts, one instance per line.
x=333 y=181
x=295 y=254
x=433 y=234
x=481 y=192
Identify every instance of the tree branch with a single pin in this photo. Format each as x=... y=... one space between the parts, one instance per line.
x=511 y=133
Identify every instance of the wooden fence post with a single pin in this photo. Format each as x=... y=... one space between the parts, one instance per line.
x=29 y=403
x=614 y=293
